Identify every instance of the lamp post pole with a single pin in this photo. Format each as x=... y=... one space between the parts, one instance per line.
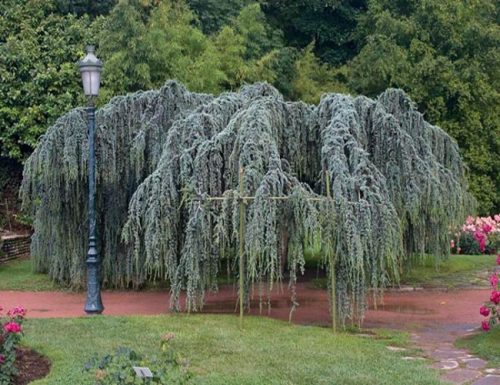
x=90 y=68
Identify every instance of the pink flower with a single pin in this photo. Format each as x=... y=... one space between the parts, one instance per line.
x=18 y=311
x=481 y=239
x=485 y=325
x=494 y=280
x=483 y=310
x=12 y=327
x=2 y=359
x=497 y=218
x=487 y=228
x=478 y=235
x=460 y=249
x=495 y=297
x=452 y=244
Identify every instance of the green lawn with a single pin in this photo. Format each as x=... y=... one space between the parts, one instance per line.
x=454 y=272
x=19 y=275
x=265 y=352
x=458 y=271
x=484 y=345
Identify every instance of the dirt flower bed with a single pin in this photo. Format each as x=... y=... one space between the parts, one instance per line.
x=31 y=366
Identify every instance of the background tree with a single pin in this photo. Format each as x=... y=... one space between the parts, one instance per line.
x=314 y=78
x=143 y=52
x=330 y=23
x=39 y=50
x=212 y=15
x=445 y=55
x=92 y=8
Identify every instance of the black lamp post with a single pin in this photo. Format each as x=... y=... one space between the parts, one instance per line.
x=90 y=68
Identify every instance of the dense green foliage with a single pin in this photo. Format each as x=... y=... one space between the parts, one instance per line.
x=81 y=7
x=212 y=15
x=330 y=23
x=40 y=81
x=268 y=352
x=143 y=52
x=443 y=54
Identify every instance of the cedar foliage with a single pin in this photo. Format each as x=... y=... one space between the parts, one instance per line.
x=396 y=182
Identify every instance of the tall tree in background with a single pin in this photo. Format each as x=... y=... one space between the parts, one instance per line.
x=330 y=23
x=314 y=78
x=143 y=52
x=213 y=15
x=92 y=8
x=39 y=49
x=445 y=55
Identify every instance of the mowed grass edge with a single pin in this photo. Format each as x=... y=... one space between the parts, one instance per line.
x=484 y=344
x=266 y=351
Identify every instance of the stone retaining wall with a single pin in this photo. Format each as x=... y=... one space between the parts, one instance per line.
x=14 y=246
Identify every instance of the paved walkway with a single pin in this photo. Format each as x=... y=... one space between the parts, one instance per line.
x=435 y=318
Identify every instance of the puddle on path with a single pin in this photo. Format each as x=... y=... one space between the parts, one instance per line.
x=230 y=305
x=404 y=308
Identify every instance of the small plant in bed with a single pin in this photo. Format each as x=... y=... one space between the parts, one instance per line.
x=118 y=368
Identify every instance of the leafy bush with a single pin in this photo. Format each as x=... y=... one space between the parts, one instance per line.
x=478 y=235
x=117 y=369
x=10 y=335
x=467 y=245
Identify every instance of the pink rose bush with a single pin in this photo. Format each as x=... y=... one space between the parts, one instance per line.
x=11 y=331
x=484 y=231
x=491 y=309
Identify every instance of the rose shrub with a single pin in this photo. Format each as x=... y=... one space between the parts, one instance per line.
x=10 y=334
x=491 y=308
x=477 y=235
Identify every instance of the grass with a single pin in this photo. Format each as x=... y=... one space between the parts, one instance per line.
x=484 y=345
x=19 y=275
x=458 y=271
x=265 y=352
x=454 y=272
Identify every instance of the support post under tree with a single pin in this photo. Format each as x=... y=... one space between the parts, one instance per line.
x=332 y=270
x=241 y=249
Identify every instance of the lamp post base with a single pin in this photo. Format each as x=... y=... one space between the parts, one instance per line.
x=94 y=301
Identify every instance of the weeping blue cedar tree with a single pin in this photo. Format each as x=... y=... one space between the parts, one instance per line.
x=396 y=184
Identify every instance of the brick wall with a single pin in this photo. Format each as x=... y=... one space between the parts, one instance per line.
x=14 y=246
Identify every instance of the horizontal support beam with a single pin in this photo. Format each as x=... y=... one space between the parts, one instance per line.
x=248 y=198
